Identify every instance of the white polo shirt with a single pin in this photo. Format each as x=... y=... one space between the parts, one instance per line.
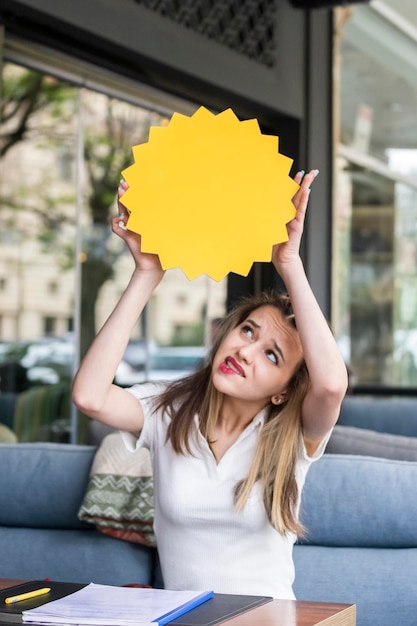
x=203 y=542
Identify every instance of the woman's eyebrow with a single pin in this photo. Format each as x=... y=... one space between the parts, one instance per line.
x=278 y=349
x=276 y=346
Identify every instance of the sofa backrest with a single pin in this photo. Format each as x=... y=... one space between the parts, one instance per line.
x=42 y=484
x=347 y=500
x=359 y=501
x=364 y=442
x=394 y=415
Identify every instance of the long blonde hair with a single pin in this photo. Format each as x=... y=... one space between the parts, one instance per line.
x=279 y=443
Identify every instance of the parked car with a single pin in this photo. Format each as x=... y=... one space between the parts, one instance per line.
x=49 y=360
x=172 y=363
x=165 y=363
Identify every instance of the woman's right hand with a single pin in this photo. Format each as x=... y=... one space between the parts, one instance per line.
x=143 y=261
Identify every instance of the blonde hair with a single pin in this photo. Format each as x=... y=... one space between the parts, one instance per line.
x=279 y=443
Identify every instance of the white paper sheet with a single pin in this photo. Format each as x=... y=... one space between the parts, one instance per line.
x=106 y=605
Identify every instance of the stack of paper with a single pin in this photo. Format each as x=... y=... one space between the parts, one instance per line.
x=106 y=605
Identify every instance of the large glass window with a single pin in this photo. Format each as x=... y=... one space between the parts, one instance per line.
x=375 y=203
x=63 y=147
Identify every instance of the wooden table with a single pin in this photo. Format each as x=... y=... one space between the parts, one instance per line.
x=297 y=613
x=280 y=612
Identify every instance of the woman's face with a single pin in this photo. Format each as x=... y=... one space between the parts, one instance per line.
x=256 y=360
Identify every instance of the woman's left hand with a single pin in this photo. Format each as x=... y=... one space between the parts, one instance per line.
x=284 y=253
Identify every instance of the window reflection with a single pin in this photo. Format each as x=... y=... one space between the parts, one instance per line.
x=45 y=323
x=375 y=208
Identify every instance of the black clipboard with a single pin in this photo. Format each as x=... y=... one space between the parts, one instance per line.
x=221 y=607
x=12 y=613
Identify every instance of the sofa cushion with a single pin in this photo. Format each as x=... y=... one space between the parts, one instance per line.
x=352 y=440
x=394 y=415
x=82 y=556
x=119 y=495
x=353 y=500
x=43 y=484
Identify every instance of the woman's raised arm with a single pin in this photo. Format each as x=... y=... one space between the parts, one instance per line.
x=327 y=370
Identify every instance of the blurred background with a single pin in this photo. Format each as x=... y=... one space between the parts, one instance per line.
x=80 y=85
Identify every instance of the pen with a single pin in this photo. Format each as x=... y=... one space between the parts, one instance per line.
x=28 y=595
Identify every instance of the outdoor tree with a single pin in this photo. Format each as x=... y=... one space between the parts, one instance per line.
x=24 y=94
x=107 y=152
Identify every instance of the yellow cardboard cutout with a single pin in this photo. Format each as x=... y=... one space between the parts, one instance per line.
x=209 y=194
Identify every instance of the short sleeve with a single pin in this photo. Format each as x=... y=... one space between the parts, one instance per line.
x=305 y=461
x=320 y=448
x=145 y=393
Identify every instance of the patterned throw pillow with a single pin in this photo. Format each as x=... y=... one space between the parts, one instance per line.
x=119 y=495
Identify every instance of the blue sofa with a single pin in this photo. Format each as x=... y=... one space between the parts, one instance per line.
x=42 y=486
x=360 y=514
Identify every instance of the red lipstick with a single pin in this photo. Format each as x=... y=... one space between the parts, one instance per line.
x=231 y=366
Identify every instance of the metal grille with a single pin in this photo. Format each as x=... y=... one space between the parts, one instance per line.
x=246 y=26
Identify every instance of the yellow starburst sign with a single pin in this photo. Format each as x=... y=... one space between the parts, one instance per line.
x=209 y=194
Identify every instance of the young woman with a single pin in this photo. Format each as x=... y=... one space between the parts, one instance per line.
x=230 y=444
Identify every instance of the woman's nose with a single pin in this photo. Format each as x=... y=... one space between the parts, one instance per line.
x=246 y=352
